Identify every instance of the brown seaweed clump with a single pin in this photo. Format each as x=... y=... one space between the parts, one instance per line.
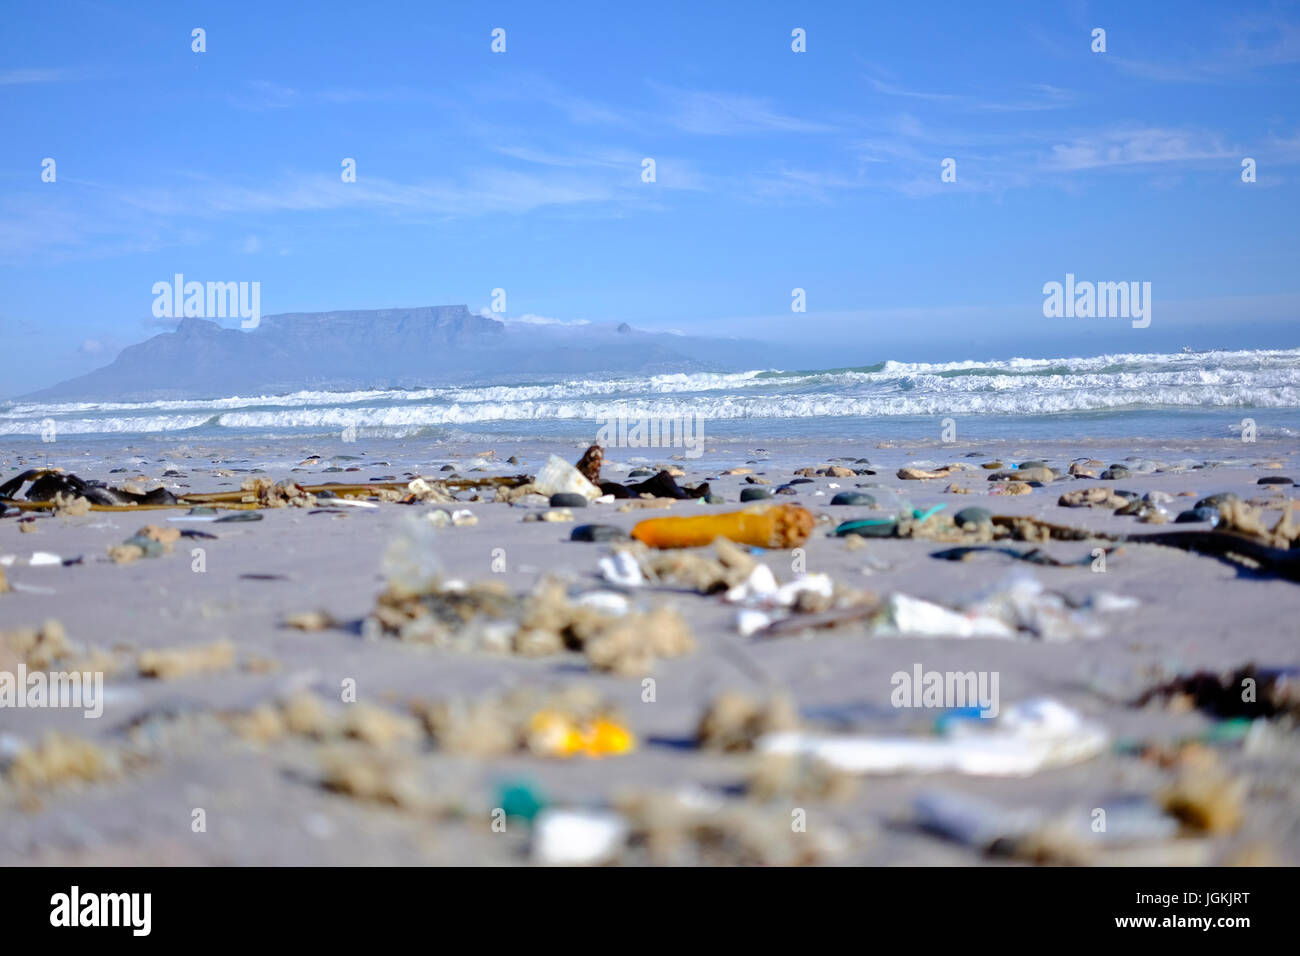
x=270 y=494
x=175 y=663
x=568 y=722
x=1248 y=692
x=60 y=760
x=486 y=617
x=589 y=464
x=734 y=721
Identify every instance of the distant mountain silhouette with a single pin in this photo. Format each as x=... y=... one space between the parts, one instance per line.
x=384 y=348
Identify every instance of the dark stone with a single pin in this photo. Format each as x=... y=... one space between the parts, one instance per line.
x=568 y=499
x=972 y=516
x=714 y=499
x=754 y=494
x=597 y=532
x=1275 y=480
x=859 y=498
x=1213 y=501
x=1114 y=472
x=240 y=516
x=800 y=481
x=1198 y=514
x=640 y=473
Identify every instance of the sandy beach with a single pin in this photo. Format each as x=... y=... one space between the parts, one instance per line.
x=387 y=768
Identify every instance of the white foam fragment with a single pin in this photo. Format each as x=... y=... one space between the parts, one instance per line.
x=577 y=837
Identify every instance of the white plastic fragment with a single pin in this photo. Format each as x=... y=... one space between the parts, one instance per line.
x=971 y=820
x=817 y=583
x=906 y=616
x=621 y=568
x=606 y=602
x=750 y=622
x=577 y=837
x=44 y=558
x=760 y=585
x=1029 y=737
x=558 y=475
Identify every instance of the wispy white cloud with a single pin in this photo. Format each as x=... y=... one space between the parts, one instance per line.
x=1035 y=97
x=729 y=114
x=265 y=95
x=1138 y=147
x=21 y=77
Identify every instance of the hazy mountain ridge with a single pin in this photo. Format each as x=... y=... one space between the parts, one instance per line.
x=383 y=348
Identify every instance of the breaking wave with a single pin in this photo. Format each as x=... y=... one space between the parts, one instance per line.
x=1028 y=388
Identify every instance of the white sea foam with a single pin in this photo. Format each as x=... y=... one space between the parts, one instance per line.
x=1014 y=387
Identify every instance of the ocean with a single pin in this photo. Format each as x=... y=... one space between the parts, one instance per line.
x=1208 y=394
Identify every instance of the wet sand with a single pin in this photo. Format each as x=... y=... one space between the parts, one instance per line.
x=264 y=802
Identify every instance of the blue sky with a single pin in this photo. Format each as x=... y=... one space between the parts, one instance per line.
x=522 y=170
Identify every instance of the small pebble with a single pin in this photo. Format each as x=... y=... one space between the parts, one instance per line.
x=972 y=516
x=597 y=532
x=854 y=498
x=568 y=499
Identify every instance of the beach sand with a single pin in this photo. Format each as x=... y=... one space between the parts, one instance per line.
x=174 y=748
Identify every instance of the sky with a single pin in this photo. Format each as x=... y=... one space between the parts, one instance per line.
x=774 y=169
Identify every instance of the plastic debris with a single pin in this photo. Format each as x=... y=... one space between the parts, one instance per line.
x=553 y=733
x=621 y=568
x=1020 y=606
x=1027 y=738
x=557 y=475
x=577 y=837
x=1029 y=833
x=773 y=526
x=913 y=617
